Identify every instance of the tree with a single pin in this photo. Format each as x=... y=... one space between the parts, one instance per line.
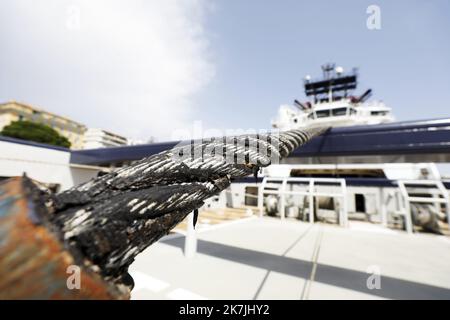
x=37 y=132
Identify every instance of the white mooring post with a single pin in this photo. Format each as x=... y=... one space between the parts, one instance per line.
x=190 y=242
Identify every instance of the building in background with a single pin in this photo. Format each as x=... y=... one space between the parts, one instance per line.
x=98 y=138
x=16 y=111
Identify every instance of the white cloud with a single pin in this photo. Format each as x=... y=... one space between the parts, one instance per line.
x=133 y=67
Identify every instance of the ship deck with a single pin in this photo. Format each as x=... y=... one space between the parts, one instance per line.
x=266 y=258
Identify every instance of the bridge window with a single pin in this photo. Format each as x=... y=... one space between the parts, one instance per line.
x=378 y=113
x=323 y=113
x=352 y=111
x=339 y=112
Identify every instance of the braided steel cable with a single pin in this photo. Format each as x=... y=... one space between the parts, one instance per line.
x=109 y=220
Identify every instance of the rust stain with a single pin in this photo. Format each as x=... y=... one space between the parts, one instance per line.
x=33 y=262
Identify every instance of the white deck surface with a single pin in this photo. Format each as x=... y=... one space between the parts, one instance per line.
x=270 y=259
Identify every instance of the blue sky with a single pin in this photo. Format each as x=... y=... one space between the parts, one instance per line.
x=147 y=68
x=263 y=49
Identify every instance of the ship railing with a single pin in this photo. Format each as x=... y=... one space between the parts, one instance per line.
x=442 y=198
x=311 y=192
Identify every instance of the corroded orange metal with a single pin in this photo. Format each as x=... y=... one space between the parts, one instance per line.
x=33 y=262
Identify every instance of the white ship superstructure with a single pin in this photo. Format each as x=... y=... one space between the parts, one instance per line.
x=332 y=103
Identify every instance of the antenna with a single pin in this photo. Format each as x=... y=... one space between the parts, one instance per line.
x=335 y=84
x=328 y=70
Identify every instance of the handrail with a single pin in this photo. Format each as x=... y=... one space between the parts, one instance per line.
x=407 y=199
x=311 y=193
